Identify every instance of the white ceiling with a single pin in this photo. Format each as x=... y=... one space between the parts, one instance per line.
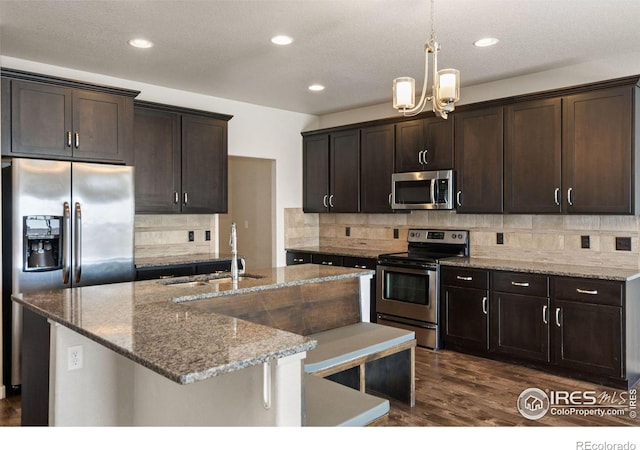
x=353 y=47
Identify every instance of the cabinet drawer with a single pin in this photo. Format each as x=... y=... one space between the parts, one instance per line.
x=359 y=263
x=298 y=258
x=330 y=260
x=587 y=290
x=520 y=283
x=463 y=277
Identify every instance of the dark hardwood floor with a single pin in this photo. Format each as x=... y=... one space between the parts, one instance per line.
x=457 y=390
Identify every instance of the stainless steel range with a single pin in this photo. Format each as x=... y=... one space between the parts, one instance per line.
x=407 y=283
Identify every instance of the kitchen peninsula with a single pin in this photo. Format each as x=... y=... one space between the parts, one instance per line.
x=179 y=351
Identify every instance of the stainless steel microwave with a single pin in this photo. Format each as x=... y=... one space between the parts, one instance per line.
x=422 y=190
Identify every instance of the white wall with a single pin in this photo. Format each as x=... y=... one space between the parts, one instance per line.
x=604 y=69
x=254 y=131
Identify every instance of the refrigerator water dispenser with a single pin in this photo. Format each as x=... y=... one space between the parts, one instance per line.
x=42 y=243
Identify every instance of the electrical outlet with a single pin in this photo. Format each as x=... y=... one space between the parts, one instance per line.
x=500 y=238
x=347 y=231
x=191 y=236
x=584 y=242
x=207 y=235
x=396 y=233
x=74 y=357
x=623 y=243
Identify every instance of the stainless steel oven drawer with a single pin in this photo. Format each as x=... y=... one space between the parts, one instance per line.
x=425 y=337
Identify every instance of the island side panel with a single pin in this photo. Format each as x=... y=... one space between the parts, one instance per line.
x=240 y=398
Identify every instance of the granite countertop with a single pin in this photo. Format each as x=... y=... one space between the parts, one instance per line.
x=157 y=261
x=341 y=251
x=152 y=323
x=546 y=268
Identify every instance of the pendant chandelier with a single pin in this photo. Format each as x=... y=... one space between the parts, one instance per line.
x=445 y=88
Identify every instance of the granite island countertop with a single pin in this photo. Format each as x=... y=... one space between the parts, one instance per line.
x=152 y=323
x=545 y=268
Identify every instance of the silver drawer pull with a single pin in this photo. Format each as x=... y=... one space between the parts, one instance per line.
x=464 y=278
x=516 y=283
x=586 y=291
x=327 y=263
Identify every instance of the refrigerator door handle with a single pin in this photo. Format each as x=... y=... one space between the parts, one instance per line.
x=77 y=267
x=66 y=240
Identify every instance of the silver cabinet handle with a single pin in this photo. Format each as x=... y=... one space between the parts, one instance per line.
x=77 y=135
x=484 y=306
x=464 y=278
x=570 y=196
x=324 y=201
x=68 y=138
x=545 y=318
x=390 y=195
x=327 y=263
x=517 y=283
x=186 y=198
x=331 y=200
x=77 y=266
x=66 y=241
x=586 y=291
x=266 y=385
x=420 y=160
x=176 y=198
x=425 y=161
x=556 y=196
x=558 y=317
x=458 y=198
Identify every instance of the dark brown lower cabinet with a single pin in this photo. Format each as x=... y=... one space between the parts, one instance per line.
x=578 y=327
x=520 y=326
x=465 y=318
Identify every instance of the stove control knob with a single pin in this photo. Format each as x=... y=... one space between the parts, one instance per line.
x=453 y=236
x=460 y=236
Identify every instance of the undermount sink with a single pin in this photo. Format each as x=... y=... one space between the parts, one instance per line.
x=213 y=280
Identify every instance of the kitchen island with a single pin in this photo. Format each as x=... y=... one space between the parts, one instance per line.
x=167 y=352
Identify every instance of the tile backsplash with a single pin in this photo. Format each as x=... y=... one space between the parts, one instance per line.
x=162 y=235
x=542 y=238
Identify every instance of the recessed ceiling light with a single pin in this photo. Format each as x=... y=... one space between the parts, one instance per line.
x=486 y=42
x=140 y=43
x=281 y=39
x=316 y=87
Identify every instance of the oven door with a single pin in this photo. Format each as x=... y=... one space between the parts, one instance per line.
x=407 y=292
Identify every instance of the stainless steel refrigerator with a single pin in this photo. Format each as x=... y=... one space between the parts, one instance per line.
x=65 y=224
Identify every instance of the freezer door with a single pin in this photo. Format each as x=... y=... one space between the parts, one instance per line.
x=102 y=211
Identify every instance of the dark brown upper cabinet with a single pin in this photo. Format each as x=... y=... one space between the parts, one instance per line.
x=478 y=160
x=424 y=144
x=331 y=167
x=376 y=168
x=180 y=157
x=598 y=151
x=62 y=119
x=533 y=157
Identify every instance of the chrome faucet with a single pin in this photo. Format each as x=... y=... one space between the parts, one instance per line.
x=233 y=242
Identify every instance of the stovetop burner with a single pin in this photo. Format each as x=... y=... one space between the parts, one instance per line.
x=428 y=246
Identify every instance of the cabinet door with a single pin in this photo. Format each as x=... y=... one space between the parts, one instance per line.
x=344 y=159
x=204 y=165
x=597 y=164
x=588 y=337
x=156 y=154
x=520 y=326
x=465 y=318
x=315 y=173
x=532 y=157
x=41 y=120
x=438 y=138
x=98 y=126
x=376 y=168
x=478 y=156
x=409 y=145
